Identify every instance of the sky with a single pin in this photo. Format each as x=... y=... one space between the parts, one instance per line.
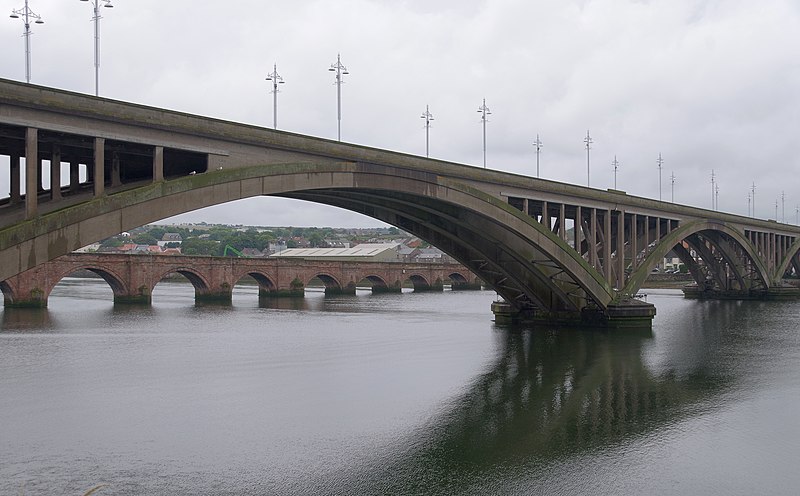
x=710 y=85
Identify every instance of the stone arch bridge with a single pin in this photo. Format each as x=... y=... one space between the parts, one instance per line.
x=555 y=252
x=133 y=277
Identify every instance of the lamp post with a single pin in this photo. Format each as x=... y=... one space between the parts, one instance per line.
x=96 y=6
x=340 y=70
x=753 y=191
x=588 y=141
x=748 y=203
x=783 y=207
x=538 y=144
x=660 y=162
x=672 y=178
x=26 y=14
x=615 y=163
x=428 y=118
x=276 y=80
x=713 y=189
x=484 y=111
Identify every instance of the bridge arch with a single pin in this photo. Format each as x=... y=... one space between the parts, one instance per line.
x=202 y=288
x=688 y=231
x=266 y=282
x=378 y=283
x=523 y=261
x=115 y=281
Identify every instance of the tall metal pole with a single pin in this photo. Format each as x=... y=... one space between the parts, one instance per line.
x=428 y=118
x=776 y=210
x=340 y=70
x=748 y=203
x=484 y=111
x=713 y=190
x=716 y=196
x=538 y=145
x=96 y=8
x=660 y=162
x=797 y=215
x=753 y=190
x=615 y=163
x=588 y=141
x=783 y=207
x=25 y=13
x=276 y=80
x=672 y=177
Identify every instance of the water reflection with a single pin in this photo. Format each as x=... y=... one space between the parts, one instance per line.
x=27 y=319
x=550 y=395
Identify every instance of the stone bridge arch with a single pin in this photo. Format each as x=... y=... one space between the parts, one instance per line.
x=527 y=264
x=266 y=282
x=203 y=291
x=715 y=233
x=381 y=283
x=17 y=291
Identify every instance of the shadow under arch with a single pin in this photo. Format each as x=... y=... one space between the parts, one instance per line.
x=266 y=286
x=683 y=232
x=378 y=284
x=202 y=290
x=522 y=260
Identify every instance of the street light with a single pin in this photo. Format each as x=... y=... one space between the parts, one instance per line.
x=615 y=163
x=26 y=14
x=484 y=110
x=588 y=141
x=538 y=144
x=276 y=80
x=672 y=178
x=660 y=161
x=428 y=118
x=340 y=70
x=753 y=190
x=96 y=6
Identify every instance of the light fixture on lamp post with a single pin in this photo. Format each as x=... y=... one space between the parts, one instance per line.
x=96 y=7
x=340 y=70
x=588 y=141
x=538 y=144
x=484 y=111
x=615 y=163
x=428 y=118
x=26 y=14
x=276 y=80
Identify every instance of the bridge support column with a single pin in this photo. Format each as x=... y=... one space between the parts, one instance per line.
x=74 y=176
x=55 y=174
x=158 y=164
x=222 y=294
x=31 y=172
x=350 y=289
x=98 y=176
x=14 y=178
x=296 y=289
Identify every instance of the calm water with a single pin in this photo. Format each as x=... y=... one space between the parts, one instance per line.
x=393 y=394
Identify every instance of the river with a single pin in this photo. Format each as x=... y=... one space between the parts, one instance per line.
x=393 y=394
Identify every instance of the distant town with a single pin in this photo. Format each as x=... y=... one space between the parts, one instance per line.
x=374 y=244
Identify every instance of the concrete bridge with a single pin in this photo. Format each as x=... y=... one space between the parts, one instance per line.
x=555 y=252
x=133 y=277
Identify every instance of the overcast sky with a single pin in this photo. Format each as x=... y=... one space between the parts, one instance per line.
x=708 y=84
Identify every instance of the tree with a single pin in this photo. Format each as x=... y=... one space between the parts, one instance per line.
x=197 y=246
x=144 y=239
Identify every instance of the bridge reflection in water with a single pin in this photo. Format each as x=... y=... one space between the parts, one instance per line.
x=548 y=398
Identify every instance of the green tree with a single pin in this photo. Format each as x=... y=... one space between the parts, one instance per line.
x=197 y=246
x=144 y=239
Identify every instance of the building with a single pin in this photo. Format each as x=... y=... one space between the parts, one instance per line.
x=365 y=252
